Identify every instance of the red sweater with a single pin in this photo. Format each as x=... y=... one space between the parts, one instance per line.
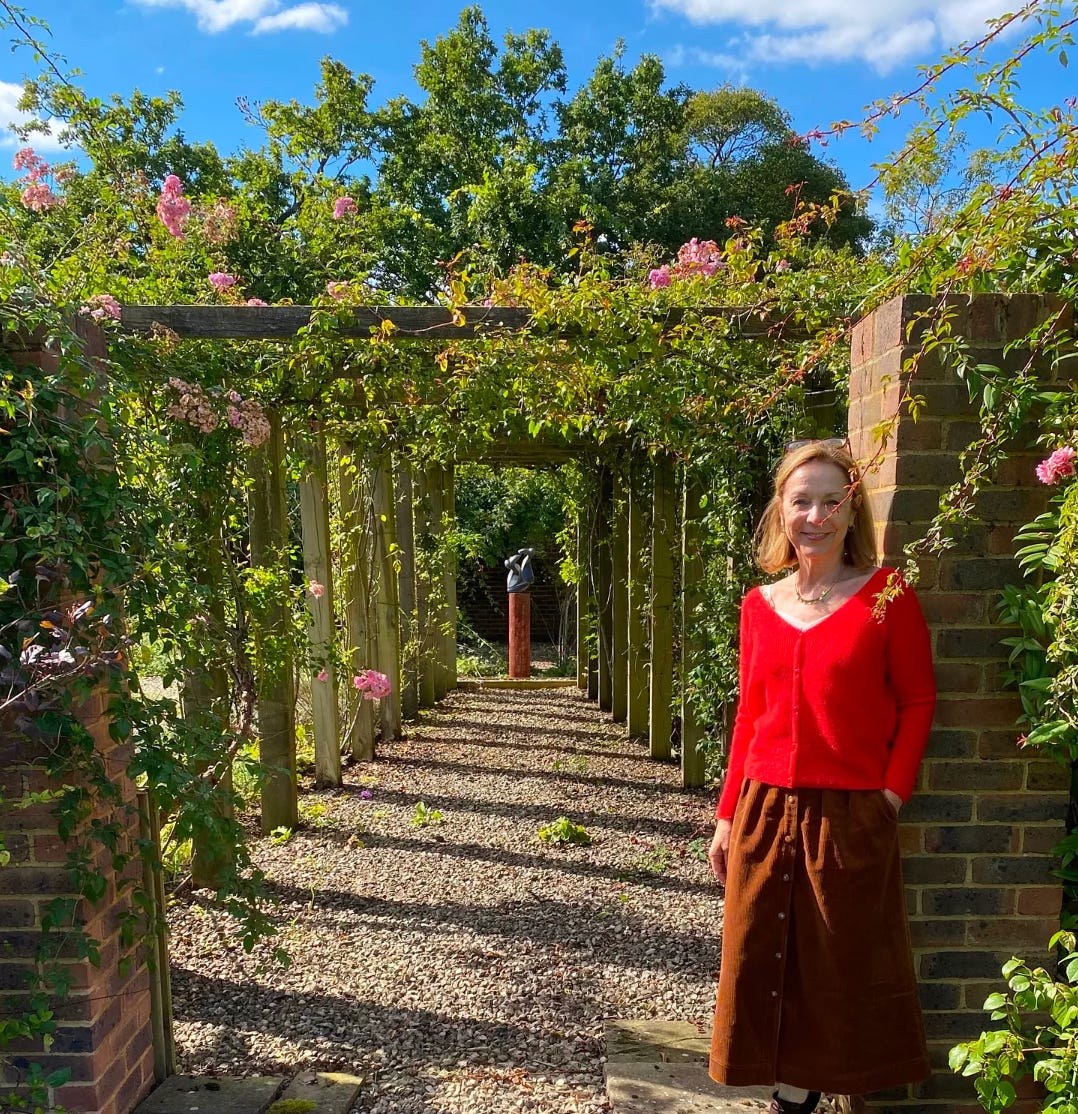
x=846 y=704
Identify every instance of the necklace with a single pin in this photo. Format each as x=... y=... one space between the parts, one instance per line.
x=813 y=599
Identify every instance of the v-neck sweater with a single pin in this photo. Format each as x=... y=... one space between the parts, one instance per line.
x=846 y=703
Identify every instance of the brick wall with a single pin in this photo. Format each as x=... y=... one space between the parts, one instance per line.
x=978 y=831
x=103 y=1026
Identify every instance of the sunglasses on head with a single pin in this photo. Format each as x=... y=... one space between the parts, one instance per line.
x=828 y=442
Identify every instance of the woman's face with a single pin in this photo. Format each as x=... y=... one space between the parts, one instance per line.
x=816 y=510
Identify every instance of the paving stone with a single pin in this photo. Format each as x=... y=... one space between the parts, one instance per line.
x=333 y=1092
x=654 y=1042
x=677 y=1088
x=183 y=1094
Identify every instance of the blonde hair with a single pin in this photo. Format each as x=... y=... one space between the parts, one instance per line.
x=773 y=549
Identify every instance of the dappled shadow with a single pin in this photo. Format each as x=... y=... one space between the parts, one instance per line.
x=516 y=772
x=621 y=937
x=553 y=860
x=536 y=814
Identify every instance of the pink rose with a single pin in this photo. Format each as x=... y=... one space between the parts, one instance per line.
x=1055 y=467
x=344 y=207
x=222 y=281
x=372 y=685
x=323 y=675
x=660 y=276
x=256 y=302
x=317 y=589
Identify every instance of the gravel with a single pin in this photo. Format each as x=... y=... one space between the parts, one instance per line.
x=463 y=965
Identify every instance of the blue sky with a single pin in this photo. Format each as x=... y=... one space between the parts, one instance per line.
x=822 y=60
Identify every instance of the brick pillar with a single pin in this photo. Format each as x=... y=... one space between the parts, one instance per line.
x=103 y=1030
x=978 y=831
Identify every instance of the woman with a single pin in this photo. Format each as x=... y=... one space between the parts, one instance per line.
x=816 y=989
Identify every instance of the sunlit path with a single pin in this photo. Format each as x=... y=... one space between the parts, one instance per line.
x=443 y=950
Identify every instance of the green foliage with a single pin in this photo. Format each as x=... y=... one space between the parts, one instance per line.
x=423 y=816
x=281 y=834
x=563 y=831
x=1039 y=1037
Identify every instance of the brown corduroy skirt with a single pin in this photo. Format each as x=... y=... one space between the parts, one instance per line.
x=816 y=983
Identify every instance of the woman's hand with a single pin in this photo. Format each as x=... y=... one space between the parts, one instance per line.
x=719 y=849
x=893 y=799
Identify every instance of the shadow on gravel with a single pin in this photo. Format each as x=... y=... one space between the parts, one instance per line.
x=515 y=773
x=619 y=936
x=352 y=1028
x=536 y=815
x=552 y=861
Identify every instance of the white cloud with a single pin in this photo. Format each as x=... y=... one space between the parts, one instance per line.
x=10 y=115
x=326 y=18
x=214 y=16
x=882 y=34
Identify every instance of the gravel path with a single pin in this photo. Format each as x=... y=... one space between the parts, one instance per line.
x=464 y=966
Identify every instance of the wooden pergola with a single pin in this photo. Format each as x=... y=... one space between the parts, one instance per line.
x=400 y=616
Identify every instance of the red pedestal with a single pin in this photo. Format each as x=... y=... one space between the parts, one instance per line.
x=520 y=634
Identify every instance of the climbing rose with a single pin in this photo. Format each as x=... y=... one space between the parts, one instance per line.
x=101 y=306
x=192 y=405
x=256 y=302
x=344 y=207
x=660 y=276
x=38 y=197
x=337 y=290
x=323 y=675
x=317 y=589
x=249 y=418
x=372 y=685
x=1053 y=468
x=172 y=207
x=221 y=280
x=31 y=163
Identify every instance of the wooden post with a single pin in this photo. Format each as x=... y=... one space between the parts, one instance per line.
x=204 y=699
x=581 y=606
x=421 y=510
x=450 y=514
x=436 y=601
x=592 y=573
x=619 y=600
x=409 y=633
x=387 y=603
x=637 y=664
x=276 y=698
x=692 y=575
x=357 y=611
x=314 y=514
x=603 y=593
x=662 y=609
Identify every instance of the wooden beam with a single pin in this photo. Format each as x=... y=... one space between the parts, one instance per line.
x=317 y=566
x=409 y=632
x=406 y=322
x=692 y=575
x=436 y=601
x=663 y=521
x=637 y=657
x=619 y=600
x=276 y=698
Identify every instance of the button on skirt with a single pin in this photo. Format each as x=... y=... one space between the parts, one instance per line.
x=816 y=983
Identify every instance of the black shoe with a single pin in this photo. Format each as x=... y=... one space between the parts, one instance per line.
x=788 y=1106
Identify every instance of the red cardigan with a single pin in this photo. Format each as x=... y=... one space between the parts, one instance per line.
x=846 y=704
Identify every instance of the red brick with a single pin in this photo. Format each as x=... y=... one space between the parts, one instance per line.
x=999 y=744
x=955 y=607
x=976 y=774
x=979 y=711
x=1016 y=808
x=1047 y=776
x=1040 y=901
x=959 y=677
x=1041 y=839
x=1023 y=935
